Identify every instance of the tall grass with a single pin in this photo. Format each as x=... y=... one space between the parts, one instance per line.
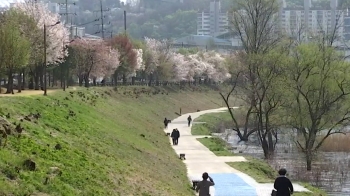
x=336 y=143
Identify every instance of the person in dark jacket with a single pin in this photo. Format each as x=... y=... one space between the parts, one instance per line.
x=166 y=122
x=282 y=184
x=203 y=187
x=173 y=136
x=177 y=136
x=189 y=120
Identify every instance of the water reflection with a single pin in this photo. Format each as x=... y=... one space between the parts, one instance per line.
x=330 y=171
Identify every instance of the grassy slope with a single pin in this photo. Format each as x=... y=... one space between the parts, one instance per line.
x=115 y=145
x=260 y=170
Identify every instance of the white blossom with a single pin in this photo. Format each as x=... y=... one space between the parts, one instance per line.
x=57 y=34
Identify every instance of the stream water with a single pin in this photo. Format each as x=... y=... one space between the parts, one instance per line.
x=330 y=171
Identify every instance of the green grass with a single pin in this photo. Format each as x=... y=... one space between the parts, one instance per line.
x=211 y=124
x=258 y=169
x=114 y=145
x=261 y=171
x=216 y=145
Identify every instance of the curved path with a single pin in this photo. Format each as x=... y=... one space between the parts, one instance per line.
x=34 y=92
x=199 y=159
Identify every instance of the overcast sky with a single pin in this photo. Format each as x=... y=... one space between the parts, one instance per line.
x=6 y=2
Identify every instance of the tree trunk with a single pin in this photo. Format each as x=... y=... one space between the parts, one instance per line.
x=67 y=78
x=19 y=85
x=41 y=77
x=243 y=138
x=81 y=78
x=86 y=80
x=150 y=80
x=9 y=82
x=309 y=158
x=265 y=148
x=23 y=79
x=270 y=143
x=94 y=81
x=36 y=75
x=50 y=80
x=115 y=80
x=124 y=79
x=31 y=82
x=62 y=77
x=53 y=78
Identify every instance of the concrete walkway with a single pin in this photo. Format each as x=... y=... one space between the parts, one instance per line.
x=199 y=159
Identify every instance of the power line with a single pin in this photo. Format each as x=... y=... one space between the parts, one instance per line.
x=102 y=18
x=67 y=14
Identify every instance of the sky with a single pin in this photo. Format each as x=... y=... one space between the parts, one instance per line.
x=6 y=2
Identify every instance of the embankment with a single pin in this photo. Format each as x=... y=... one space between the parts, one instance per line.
x=96 y=141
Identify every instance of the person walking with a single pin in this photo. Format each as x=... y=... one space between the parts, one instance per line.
x=203 y=187
x=282 y=185
x=177 y=136
x=166 y=122
x=173 y=136
x=189 y=120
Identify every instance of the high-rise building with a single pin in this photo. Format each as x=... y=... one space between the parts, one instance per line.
x=309 y=19
x=212 y=22
x=315 y=19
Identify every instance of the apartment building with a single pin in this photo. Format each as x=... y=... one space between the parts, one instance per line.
x=212 y=21
x=314 y=20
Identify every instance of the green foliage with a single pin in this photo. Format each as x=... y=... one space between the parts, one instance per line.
x=260 y=170
x=318 y=81
x=209 y=123
x=216 y=145
x=113 y=143
x=14 y=47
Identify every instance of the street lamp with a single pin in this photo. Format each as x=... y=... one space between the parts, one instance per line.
x=45 y=83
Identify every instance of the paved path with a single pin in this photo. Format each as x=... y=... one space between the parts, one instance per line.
x=33 y=92
x=199 y=159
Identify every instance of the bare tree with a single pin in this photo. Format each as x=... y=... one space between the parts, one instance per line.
x=255 y=23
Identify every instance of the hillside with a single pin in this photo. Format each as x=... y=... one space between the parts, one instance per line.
x=96 y=142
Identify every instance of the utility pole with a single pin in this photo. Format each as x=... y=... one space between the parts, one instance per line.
x=103 y=31
x=67 y=15
x=125 y=22
x=102 y=19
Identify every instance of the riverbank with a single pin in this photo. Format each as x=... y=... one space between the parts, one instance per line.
x=96 y=141
x=258 y=169
x=199 y=159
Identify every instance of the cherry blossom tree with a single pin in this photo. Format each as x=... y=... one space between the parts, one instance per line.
x=182 y=69
x=158 y=60
x=210 y=65
x=93 y=59
x=107 y=62
x=127 y=57
x=139 y=59
x=57 y=35
x=217 y=71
